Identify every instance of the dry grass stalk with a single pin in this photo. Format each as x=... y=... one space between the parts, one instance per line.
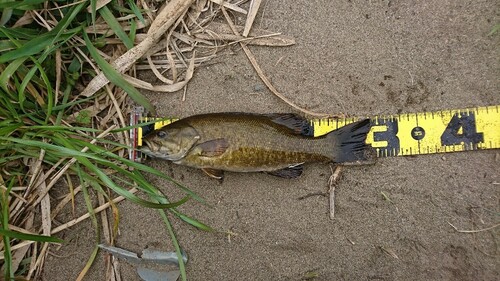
x=332 y=182
x=389 y=252
x=474 y=230
x=112 y=272
x=230 y=6
x=254 y=7
x=87 y=215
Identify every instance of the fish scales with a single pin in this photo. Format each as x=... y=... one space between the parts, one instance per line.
x=256 y=144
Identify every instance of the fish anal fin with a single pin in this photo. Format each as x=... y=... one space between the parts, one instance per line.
x=288 y=173
x=296 y=123
x=213 y=148
x=214 y=173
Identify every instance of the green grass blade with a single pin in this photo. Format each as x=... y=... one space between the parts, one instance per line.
x=61 y=128
x=89 y=263
x=6 y=14
x=48 y=88
x=494 y=29
x=19 y=33
x=133 y=30
x=39 y=43
x=32 y=47
x=30 y=237
x=9 y=105
x=7 y=255
x=6 y=130
x=8 y=159
x=136 y=11
x=116 y=78
x=66 y=21
x=7 y=45
x=4 y=219
x=116 y=27
x=193 y=222
x=9 y=72
x=73 y=103
x=173 y=238
x=86 y=195
x=93 y=10
x=21 y=5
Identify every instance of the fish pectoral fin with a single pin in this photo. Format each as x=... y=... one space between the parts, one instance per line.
x=296 y=123
x=214 y=173
x=213 y=148
x=288 y=173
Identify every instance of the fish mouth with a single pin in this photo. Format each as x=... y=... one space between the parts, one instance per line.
x=149 y=149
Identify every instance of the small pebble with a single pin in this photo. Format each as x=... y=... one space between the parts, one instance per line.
x=259 y=88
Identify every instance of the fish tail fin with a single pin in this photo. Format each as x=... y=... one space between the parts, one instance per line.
x=349 y=144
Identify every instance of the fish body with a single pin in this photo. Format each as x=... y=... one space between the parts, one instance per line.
x=243 y=142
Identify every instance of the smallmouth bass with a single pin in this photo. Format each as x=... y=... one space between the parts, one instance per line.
x=243 y=142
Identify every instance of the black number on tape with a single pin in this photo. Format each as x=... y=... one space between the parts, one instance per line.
x=389 y=135
x=469 y=135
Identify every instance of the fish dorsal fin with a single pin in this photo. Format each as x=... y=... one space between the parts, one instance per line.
x=213 y=148
x=296 y=123
x=214 y=173
x=289 y=173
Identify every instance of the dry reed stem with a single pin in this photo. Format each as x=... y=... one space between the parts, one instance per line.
x=269 y=40
x=332 y=183
x=87 y=215
x=103 y=28
x=108 y=237
x=58 y=75
x=158 y=74
x=389 y=252
x=16 y=247
x=252 y=13
x=476 y=230
x=19 y=254
x=230 y=6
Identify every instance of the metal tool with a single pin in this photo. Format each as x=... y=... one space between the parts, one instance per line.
x=149 y=257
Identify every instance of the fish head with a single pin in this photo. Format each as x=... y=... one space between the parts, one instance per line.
x=172 y=142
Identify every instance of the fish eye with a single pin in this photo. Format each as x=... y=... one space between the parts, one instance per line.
x=161 y=134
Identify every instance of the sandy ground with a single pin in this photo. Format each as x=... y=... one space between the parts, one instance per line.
x=361 y=58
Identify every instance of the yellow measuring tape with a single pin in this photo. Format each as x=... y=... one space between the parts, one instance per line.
x=410 y=133
x=427 y=132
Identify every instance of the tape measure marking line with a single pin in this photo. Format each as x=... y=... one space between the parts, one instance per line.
x=416 y=122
